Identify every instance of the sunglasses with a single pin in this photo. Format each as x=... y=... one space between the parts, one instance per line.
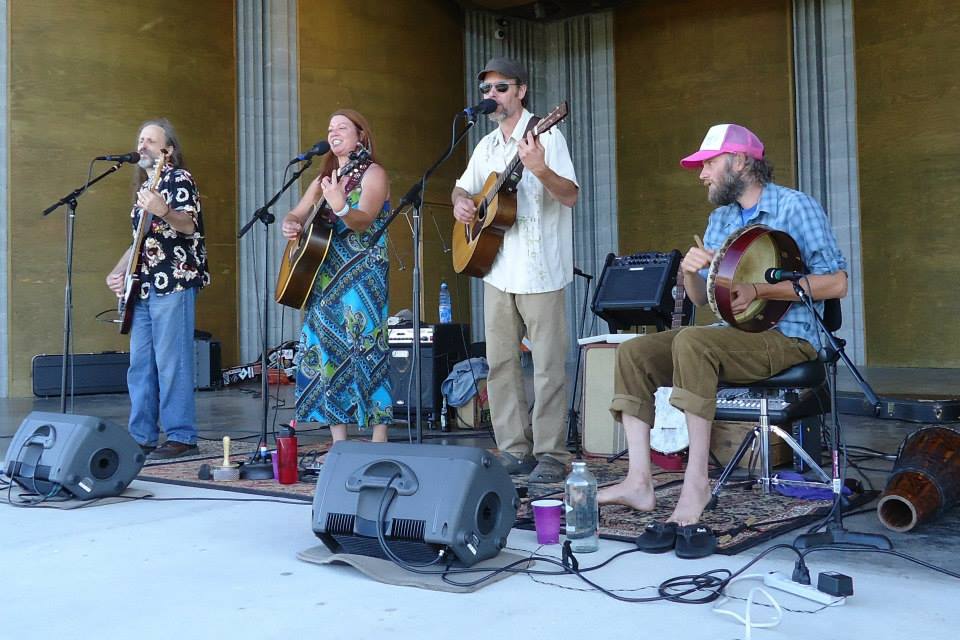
x=501 y=87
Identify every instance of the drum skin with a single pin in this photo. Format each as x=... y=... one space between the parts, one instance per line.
x=743 y=258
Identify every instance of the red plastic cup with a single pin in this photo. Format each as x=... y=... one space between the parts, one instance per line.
x=546 y=517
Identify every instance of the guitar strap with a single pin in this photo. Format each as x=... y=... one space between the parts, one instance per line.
x=516 y=175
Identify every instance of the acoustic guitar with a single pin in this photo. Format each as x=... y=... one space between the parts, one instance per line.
x=305 y=253
x=131 y=279
x=475 y=246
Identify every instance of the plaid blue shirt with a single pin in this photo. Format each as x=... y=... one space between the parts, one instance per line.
x=804 y=219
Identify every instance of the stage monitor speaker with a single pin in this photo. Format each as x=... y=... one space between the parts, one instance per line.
x=457 y=499
x=84 y=456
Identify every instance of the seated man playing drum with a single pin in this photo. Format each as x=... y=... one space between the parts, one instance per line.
x=692 y=359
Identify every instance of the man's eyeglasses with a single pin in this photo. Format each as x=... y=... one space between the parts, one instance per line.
x=501 y=87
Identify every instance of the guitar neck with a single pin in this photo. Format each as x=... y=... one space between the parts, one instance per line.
x=541 y=127
x=678 y=296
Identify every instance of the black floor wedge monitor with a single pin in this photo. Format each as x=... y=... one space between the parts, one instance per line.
x=418 y=499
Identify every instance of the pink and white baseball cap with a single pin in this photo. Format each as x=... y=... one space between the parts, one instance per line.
x=724 y=138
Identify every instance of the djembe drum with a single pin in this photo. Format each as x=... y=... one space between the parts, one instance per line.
x=925 y=480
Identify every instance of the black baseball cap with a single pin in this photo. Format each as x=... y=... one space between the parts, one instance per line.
x=505 y=67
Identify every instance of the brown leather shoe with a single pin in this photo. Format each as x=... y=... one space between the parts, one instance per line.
x=173 y=449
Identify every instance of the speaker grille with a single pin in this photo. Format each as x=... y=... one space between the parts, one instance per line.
x=407 y=529
x=340 y=523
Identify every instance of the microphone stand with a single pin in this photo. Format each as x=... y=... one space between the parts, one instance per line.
x=573 y=416
x=70 y=200
x=258 y=467
x=834 y=533
x=415 y=197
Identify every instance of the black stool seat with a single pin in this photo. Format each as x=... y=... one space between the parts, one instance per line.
x=804 y=375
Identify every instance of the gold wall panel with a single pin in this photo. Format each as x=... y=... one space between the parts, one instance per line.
x=400 y=64
x=680 y=67
x=83 y=76
x=908 y=129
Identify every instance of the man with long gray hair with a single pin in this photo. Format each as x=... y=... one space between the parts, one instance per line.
x=172 y=269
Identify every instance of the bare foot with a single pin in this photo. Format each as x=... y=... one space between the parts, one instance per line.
x=694 y=497
x=636 y=494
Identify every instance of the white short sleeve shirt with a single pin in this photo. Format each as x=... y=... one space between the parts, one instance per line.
x=537 y=251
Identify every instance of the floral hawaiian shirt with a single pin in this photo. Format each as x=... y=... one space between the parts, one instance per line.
x=173 y=261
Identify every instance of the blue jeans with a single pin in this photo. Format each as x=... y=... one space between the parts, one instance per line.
x=160 y=379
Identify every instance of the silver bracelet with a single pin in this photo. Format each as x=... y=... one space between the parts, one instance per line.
x=342 y=212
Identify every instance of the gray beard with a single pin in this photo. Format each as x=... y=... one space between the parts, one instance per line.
x=497 y=117
x=727 y=192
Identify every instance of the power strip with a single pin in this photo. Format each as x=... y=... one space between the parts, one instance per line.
x=782 y=582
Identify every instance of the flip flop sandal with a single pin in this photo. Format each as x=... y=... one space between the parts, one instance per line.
x=657 y=537
x=695 y=541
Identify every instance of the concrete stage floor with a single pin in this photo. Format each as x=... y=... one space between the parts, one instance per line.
x=200 y=568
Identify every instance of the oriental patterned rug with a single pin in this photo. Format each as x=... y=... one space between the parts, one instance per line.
x=743 y=518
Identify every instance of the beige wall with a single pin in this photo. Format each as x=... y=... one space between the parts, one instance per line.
x=680 y=67
x=83 y=75
x=908 y=129
x=400 y=64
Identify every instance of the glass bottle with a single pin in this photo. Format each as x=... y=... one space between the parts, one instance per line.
x=582 y=513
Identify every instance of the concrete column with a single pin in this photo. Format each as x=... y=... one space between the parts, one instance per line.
x=827 y=138
x=268 y=136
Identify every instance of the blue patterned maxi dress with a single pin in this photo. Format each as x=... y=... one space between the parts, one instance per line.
x=342 y=375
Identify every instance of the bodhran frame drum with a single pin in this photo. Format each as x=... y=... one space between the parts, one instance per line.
x=743 y=258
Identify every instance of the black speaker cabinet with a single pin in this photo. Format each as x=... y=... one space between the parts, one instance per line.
x=83 y=456
x=448 y=347
x=423 y=498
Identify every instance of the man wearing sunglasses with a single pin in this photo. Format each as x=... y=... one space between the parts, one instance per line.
x=524 y=290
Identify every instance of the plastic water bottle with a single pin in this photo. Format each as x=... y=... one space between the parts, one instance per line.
x=446 y=308
x=582 y=512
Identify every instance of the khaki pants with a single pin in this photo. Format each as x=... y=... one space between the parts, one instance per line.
x=505 y=316
x=693 y=360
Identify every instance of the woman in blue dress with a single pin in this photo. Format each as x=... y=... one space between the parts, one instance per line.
x=343 y=357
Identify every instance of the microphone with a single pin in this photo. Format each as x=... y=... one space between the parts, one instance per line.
x=488 y=105
x=316 y=150
x=133 y=156
x=773 y=276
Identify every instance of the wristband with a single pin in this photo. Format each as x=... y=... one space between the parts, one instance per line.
x=342 y=212
x=756 y=292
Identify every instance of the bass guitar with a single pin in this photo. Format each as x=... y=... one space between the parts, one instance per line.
x=305 y=253
x=475 y=246
x=131 y=280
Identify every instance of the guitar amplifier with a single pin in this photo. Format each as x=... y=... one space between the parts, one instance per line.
x=441 y=347
x=602 y=435
x=638 y=290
